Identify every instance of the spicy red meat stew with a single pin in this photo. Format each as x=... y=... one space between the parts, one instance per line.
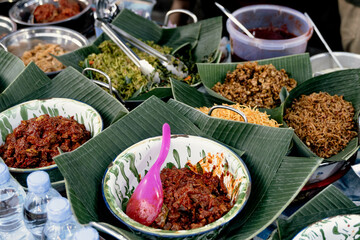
x=191 y=200
x=35 y=142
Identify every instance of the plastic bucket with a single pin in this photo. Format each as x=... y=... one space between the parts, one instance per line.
x=266 y=15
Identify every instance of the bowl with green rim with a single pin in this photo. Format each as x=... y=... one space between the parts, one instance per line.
x=12 y=117
x=125 y=172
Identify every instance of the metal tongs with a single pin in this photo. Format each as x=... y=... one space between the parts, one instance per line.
x=167 y=60
x=145 y=67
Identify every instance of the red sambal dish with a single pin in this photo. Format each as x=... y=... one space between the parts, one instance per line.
x=35 y=142
x=48 y=12
x=191 y=200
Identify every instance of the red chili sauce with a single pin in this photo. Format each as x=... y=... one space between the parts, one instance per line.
x=50 y=13
x=191 y=200
x=35 y=141
x=272 y=33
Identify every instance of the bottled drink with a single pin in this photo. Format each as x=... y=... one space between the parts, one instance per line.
x=39 y=194
x=86 y=233
x=12 y=197
x=61 y=224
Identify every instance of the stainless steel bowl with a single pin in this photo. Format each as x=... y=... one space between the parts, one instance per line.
x=26 y=39
x=6 y=26
x=323 y=63
x=3 y=47
x=22 y=14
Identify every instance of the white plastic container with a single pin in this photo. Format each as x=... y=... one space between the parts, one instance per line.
x=266 y=15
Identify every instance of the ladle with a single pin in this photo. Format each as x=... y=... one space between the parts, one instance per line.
x=146 y=202
x=324 y=42
x=232 y=18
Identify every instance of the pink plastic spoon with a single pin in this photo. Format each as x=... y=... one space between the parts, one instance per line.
x=145 y=204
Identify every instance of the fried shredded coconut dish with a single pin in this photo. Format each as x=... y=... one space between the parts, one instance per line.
x=323 y=122
x=255 y=85
x=191 y=200
x=35 y=142
x=253 y=115
x=40 y=55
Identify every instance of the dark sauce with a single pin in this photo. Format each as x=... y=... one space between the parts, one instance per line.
x=272 y=33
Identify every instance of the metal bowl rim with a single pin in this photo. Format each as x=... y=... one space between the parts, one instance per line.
x=11 y=22
x=72 y=32
x=326 y=54
x=12 y=9
x=64 y=29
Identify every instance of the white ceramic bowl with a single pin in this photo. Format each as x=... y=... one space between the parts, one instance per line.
x=121 y=178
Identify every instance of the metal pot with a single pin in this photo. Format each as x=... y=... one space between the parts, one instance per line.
x=323 y=63
x=6 y=26
x=25 y=39
x=22 y=14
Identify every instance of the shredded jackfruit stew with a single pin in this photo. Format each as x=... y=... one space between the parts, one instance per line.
x=126 y=77
x=324 y=123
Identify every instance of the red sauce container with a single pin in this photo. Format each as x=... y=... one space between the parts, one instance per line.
x=270 y=17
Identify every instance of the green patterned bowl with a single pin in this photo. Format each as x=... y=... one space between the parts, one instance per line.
x=12 y=117
x=124 y=174
x=336 y=227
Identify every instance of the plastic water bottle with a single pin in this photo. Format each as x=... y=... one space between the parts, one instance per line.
x=86 y=233
x=12 y=197
x=39 y=195
x=61 y=224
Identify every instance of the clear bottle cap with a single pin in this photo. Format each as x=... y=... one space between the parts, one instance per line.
x=58 y=209
x=38 y=182
x=4 y=173
x=86 y=233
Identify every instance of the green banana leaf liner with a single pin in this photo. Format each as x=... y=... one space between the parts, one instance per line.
x=343 y=83
x=296 y=66
x=329 y=202
x=11 y=66
x=276 y=178
x=200 y=40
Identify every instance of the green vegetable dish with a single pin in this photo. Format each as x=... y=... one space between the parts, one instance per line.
x=126 y=77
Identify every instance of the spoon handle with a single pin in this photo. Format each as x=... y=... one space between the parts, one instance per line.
x=324 y=42
x=165 y=145
x=234 y=20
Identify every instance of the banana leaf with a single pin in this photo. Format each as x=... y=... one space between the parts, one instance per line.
x=296 y=66
x=11 y=66
x=253 y=144
x=193 y=97
x=343 y=83
x=276 y=179
x=32 y=83
x=329 y=202
x=202 y=39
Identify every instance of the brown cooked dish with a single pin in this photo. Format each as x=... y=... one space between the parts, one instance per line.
x=191 y=200
x=41 y=55
x=323 y=122
x=255 y=85
x=35 y=142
